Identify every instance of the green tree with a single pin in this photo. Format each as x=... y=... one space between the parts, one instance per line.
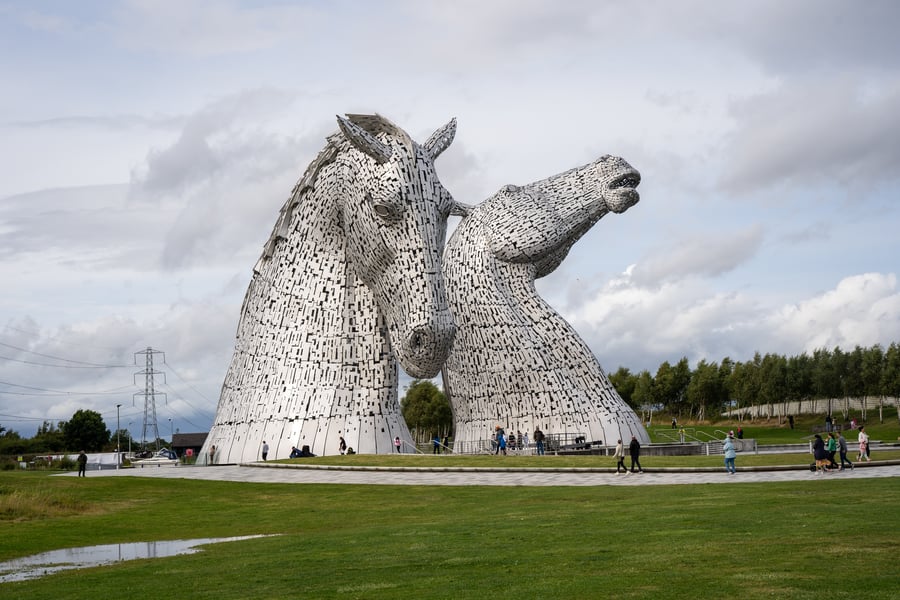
x=123 y=438
x=726 y=368
x=799 y=378
x=670 y=385
x=872 y=369
x=826 y=383
x=624 y=382
x=49 y=438
x=773 y=380
x=890 y=375
x=85 y=431
x=706 y=392
x=744 y=382
x=852 y=384
x=426 y=410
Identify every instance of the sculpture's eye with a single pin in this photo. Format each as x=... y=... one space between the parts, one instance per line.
x=385 y=209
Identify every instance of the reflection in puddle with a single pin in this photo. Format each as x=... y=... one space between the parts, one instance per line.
x=38 y=565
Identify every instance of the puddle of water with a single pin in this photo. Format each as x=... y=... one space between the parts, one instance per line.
x=38 y=565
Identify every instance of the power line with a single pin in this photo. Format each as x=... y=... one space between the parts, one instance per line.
x=69 y=360
x=59 y=339
x=171 y=368
x=31 y=362
x=179 y=397
x=21 y=418
x=60 y=392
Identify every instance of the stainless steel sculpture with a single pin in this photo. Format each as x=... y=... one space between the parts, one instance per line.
x=515 y=362
x=348 y=284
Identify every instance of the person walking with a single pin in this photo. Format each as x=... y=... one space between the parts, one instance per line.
x=730 y=453
x=863 y=444
x=501 y=442
x=397 y=443
x=831 y=450
x=634 y=449
x=342 y=445
x=539 y=441
x=212 y=455
x=436 y=443
x=820 y=454
x=620 y=457
x=82 y=464
x=842 y=448
x=265 y=450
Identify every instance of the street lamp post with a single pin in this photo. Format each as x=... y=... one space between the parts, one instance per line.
x=118 y=431
x=129 y=437
x=171 y=434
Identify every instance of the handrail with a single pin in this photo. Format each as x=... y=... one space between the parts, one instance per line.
x=413 y=446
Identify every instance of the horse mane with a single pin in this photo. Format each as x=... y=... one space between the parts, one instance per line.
x=337 y=143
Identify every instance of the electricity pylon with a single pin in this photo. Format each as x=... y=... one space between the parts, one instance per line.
x=149 y=394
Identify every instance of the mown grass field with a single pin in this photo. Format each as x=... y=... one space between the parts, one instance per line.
x=769 y=431
x=823 y=537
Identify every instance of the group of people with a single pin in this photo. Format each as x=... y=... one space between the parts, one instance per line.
x=438 y=444
x=515 y=441
x=634 y=450
x=824 y=451
x=836 y=443
x=305 y=453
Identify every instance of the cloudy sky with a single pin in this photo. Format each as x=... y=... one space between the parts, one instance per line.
x=147 y=147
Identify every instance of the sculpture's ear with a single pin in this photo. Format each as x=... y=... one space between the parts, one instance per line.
x=460 y=210
x=363 y=141
x=441 y=139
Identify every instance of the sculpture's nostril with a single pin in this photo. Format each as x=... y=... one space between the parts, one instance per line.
x=416 y=341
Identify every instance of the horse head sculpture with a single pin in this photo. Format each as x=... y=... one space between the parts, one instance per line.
x=349 y=284
x=393 y=213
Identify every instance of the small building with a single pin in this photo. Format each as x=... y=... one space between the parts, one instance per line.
x=188 y=444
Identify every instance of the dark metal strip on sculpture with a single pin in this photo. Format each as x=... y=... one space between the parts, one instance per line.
x=516 y=362
x=348 y=284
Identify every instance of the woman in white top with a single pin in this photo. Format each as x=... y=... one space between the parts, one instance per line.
x=620 y=458
x=863 y=444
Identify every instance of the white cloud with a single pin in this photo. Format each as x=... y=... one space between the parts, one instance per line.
x=629 y=324
x=862 y=310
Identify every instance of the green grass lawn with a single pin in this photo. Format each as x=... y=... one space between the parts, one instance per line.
x=822 y=537
x=770 y=432
x=483 y=461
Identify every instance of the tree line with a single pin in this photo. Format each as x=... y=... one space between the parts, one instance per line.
x=86 y=431
x=699 y=393
x=711 y=388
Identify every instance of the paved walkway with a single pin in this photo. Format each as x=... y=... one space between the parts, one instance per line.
x=281 y=473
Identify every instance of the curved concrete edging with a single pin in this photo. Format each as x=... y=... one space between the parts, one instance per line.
x=609 y=470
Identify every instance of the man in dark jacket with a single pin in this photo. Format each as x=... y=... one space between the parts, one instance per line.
x=634 y=448
x=82 y=463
